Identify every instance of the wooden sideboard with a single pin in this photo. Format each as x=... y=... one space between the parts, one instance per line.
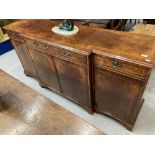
x=104 y=71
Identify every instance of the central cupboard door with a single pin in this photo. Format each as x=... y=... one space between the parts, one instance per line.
x=46 y=70
x=73 y=80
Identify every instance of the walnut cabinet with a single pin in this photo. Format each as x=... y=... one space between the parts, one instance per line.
x=103 y=71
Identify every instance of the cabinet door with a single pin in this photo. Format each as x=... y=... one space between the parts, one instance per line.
x=74 y=81
x=45 y=68
x=116 y=94
x=24 y=57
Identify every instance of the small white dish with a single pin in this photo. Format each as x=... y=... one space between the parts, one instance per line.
x=56 y=29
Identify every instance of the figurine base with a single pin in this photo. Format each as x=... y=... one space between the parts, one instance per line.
x=56 y=29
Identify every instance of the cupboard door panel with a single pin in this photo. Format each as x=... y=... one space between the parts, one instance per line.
x=45 y=68
x=24 y=57
x=115 y=93
x=73 y=80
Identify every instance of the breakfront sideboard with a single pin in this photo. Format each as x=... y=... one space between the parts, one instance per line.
x=103 y=71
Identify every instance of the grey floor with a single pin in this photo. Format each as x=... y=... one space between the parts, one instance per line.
x=145 y=124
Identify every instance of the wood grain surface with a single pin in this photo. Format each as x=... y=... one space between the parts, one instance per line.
x=123 y=45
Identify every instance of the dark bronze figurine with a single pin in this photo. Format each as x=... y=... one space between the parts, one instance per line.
x=67 y=25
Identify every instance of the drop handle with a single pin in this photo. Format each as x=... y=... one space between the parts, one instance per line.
x=15 y=34
x=35 y=43
x=1 y=94
x=66 y=53
x=116 y=63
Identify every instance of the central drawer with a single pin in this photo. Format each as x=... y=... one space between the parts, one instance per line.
x=67 y=54
x=120 y=66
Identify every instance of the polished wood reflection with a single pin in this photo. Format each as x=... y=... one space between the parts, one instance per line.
x=25 y=111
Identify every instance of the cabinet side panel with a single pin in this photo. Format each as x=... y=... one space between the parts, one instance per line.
x=24 y=57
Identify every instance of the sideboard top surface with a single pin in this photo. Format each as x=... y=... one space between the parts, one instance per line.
x=135 y=48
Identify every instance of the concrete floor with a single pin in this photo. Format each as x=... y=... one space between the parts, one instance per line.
x=145 y=124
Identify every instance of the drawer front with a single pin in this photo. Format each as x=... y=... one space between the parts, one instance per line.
x=64 y=53
x=67 y=54
x=36 y=44
x=15 y=36
x=121 y=66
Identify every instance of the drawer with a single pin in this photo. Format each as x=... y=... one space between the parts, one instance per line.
x=67 y=54
x=36 y=44
x=57 y=51
x=121 y=66
x=15 y=35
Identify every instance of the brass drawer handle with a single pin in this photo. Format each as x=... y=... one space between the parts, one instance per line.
x=66 y=53
x=2 y=94
x=15 y=34
x=35 y=43
x=116 y=63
